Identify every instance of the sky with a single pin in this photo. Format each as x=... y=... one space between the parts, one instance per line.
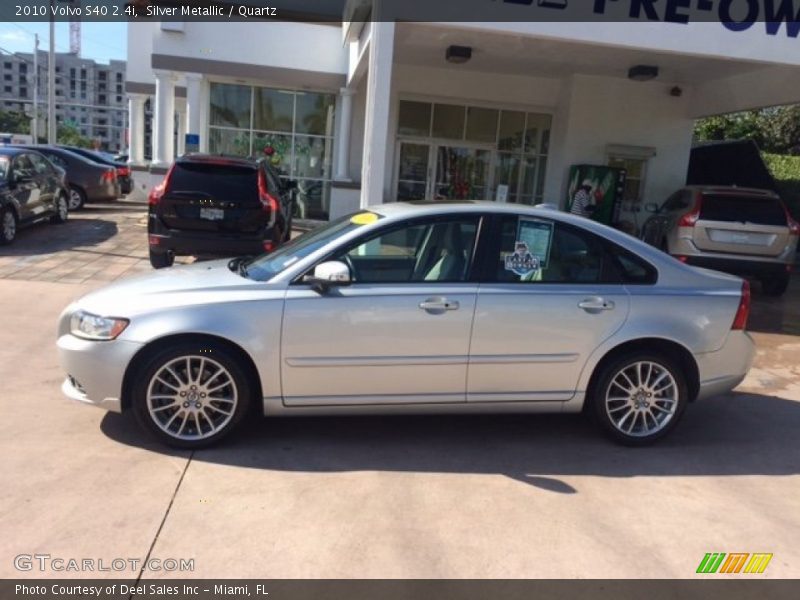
x=99 y=41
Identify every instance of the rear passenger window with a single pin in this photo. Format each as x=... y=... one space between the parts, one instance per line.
x=628 y=268
x=535 y=250
x=742 y=209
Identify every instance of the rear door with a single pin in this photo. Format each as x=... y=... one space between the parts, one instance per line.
x=544 y=305
x=219 y=197
x=25 y=188
x=46 y=180
x=741 y=224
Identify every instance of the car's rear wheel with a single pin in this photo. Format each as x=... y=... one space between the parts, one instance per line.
x=639 y=398
x=775 y=286
x=77 y=198
x=191 y=395
x=61 y=210
x=8 y=226
x=161 y=260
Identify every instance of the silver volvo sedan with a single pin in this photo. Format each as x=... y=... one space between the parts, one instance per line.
x=415 y=308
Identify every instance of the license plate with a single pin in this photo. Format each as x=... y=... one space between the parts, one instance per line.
x=212 y=214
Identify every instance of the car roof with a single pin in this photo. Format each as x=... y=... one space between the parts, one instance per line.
x=11 y=150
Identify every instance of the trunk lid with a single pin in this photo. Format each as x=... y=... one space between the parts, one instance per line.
x=211 y=196
x=741 y=224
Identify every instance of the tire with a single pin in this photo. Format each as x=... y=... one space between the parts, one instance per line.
x=77 y=198
x=628 y=415
x=161 y=260
x=191 y=395
x=8 y=226
x=62 y=210
x=775 y=287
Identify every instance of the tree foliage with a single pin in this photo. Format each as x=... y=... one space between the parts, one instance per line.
x=775 y=130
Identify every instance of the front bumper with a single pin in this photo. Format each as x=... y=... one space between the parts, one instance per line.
x=95 y=370
x=724 y=369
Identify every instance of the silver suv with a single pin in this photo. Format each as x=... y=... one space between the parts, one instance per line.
x=743 y=231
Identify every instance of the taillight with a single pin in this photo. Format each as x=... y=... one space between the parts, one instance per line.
x=123 y=171
x=740 y=320
x=794 y=226
x=110 y=175
x=268 y=201
x=158 y=191
x=690 y=218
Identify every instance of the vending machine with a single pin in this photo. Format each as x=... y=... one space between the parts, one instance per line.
x=596 y=191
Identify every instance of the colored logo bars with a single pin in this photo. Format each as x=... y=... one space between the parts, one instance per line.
x=736 y=562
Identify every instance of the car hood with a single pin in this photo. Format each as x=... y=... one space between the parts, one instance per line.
x=200 y=283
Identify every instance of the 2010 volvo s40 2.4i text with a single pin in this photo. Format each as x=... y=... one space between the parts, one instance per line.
x=467 y=307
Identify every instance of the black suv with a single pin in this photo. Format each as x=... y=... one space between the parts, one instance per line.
x=218 y=206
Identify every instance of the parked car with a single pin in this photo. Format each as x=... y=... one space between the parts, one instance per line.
x=464 y=307
x=123 y=170
x=88 y=181
x=737 y=230
x=218 y=206
x=31 y=190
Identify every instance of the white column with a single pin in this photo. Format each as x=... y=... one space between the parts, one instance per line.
x=136 y=128
x=180 y=110
x=343 y=142
x=164 y=119
x=194 y=102
x=374 y=170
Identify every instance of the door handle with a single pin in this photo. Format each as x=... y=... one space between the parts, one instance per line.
x=439 y=305
x=596 y=304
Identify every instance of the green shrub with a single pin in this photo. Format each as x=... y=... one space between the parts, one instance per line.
x=786 y=171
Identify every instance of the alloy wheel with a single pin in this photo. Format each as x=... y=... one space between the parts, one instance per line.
x=74 y=200
x=9 y=226
x=642 y=398
x=192 y=397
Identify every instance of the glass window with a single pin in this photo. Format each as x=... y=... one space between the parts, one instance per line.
x=23 y=166
x=39 y=164
x=311 y=157
x=314 y=113
x=281 y=145
x=230 y=105
x=512 y=127
x=4 y=167
x=448 y=121
x=481 y=125
x=273 y=110
x=230 y=142
x=535 y=250
x=414 y=118
x=634 y=180
x=439 y=250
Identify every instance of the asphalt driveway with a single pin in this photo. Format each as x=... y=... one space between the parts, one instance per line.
x=433 y=497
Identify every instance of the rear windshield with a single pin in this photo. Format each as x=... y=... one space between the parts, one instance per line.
x=742 y=209
x=217 y=181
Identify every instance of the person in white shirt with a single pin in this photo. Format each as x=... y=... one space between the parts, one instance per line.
x=582 y=204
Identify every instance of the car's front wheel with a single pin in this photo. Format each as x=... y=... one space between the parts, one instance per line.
x=8 y=226
x=61 y=207
x=191 y=395
x=639 y=398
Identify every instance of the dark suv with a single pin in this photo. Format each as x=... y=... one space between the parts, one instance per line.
x=218 y=206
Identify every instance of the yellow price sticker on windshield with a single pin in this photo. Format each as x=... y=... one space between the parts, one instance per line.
x=364 y=218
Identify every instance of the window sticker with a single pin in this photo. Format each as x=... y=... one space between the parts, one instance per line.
x=522 y=262
x=364 y=218
x=538 y=236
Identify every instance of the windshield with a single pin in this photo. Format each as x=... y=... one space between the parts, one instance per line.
x=267 y=266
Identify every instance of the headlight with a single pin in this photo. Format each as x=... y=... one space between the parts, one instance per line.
x=93 y=327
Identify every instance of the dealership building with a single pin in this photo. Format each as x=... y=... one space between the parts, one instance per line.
x=364 y=111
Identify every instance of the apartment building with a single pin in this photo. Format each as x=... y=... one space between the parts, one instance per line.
x=90 y=96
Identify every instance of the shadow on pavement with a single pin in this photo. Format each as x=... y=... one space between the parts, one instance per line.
x=47 y=239
x=736 y=434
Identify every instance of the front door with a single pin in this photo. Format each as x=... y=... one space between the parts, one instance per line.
x=25 y=188
x=399 y=333
x=443 y=171
x=546 y=305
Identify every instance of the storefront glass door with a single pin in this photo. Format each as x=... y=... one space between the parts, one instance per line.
x=462 y=173
x=412 y=172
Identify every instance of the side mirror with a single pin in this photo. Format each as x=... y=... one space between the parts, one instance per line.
x=328 y=274
x=651 y=207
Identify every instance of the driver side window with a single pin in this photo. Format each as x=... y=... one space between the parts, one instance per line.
x=434 y=250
